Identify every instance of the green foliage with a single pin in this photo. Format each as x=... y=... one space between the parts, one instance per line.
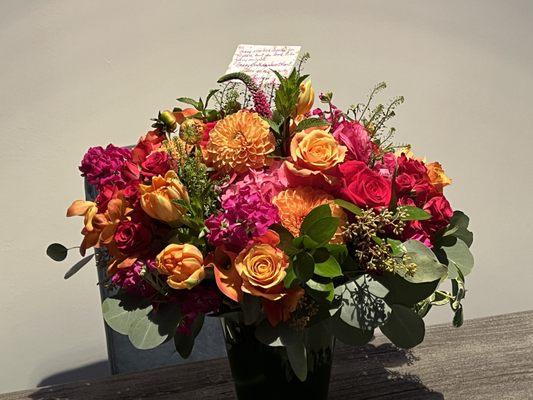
x=349 y=206
x=458 y=257
x=304 y=266
x=311 y=123
x=347 y=333
x=428 y=267
x=329 y=268
x=405 y=328
x=183 y=342
x=458 y=227
x=286 y=97
x=79 y=265
x=361 y=303
x=404 y=292
x=57 y=252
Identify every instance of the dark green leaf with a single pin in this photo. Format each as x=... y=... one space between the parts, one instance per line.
x=297 y=355
x=316 y=214
x=339 y=251
x=404 y=292
x=185 y=342
x=329 y=268
x=322 y=230
x=79 y=265
x=57 y=252
x=311 y=123
x=458 y=227
x=413 y=213
x=290 y=279
x=349 y=334
x=212 y=92
x=458 y=318
x=405 y=328
x=286 y=239
x=349 y=206
x=321 y=254
x=251 y=309
x=304 y=265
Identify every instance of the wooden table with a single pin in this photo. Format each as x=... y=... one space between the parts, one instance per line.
x=489 y=358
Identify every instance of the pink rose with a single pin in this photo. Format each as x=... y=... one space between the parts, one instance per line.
x=355 y=137
x=404 y=183
x=364 y=187
x=441 y=214
x=146 y=145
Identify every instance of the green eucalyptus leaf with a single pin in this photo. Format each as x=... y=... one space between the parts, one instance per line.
x=329 y=268
x=458 y=254
x=404 y=292
x=152 y=329
x=428 y=267
x=319 y=286
x=349 y=206
x=458 y=227
x=79 y=265
x=297 y=355
x=413 y=213
x=57 y=252
x=362 y=302
x=120 y=316
x=405 y=328
x=458 y=318
x=348 y=334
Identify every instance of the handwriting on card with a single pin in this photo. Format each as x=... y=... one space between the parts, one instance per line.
x=258 y=61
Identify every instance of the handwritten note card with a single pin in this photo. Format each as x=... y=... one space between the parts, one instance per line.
x=259 y=61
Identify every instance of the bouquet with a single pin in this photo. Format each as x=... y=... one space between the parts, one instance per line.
x=279 y=216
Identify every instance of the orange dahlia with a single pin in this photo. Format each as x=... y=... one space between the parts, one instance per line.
x=240 y=142
x=294 y=205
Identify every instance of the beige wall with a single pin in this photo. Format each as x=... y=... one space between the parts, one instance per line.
x=78 y=73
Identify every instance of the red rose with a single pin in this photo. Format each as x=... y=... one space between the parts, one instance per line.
x=412 y=167
x=146 y=145
x=208 y=127
x=157 y=163
x=404 y=184
x=132 y=237
x=364 y=187
x=441 y=214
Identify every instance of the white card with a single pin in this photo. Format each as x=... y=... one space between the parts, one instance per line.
x=258 y=61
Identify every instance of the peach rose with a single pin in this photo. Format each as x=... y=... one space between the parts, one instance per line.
x=157 y=199
x=182 y=264
x=437 y=177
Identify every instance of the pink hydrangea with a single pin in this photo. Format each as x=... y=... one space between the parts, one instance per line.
x=248 y=211
x=109 y=166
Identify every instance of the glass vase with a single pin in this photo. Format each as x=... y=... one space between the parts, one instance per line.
x=264 y=372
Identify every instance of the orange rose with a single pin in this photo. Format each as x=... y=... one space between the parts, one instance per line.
x=437 y=177
x=182 y=264
x=157 y=199
x=305 y=98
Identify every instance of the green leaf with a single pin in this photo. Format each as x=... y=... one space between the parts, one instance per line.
x=212 y=92
x=79 y=265
x=403 y=292
x=121 y=317
x=251 y=309
x=319 y=286
x=339 y=251
x=57 y=252
x=458 y=318
x=286 y=239
x=268 y=335
x=311 y=123
x=362 y=303
x=188 y=100
x=458 y=255
x=458 y=227
x=185 y=342
x=304 y=265
x=150 y=330
x=329 y=268
x=349 y=206
x=413 y=213
x=428 y=267
x=396 y=247
x=290 y=280
x=348 y=334
x=297 y=355
x=405 y=328
x=315 y=215
x=273 y=125
x=322 y=230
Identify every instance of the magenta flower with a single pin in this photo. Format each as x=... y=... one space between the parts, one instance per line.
x=355 y=137
x=130 y=280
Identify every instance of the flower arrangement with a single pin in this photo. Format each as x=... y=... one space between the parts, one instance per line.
x=263 y=209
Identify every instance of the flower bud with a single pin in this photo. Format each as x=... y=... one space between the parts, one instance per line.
x=306 y=98
x=191 y=130
x=168 y=119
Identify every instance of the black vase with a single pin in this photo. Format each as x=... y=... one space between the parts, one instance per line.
x=264 y=372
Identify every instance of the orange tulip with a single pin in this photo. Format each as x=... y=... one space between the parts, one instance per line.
x=182 y=264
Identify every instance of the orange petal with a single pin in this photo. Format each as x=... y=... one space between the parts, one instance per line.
x=226 y=276
x=79 y=207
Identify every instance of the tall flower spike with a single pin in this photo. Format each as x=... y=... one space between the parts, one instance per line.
x=261 y=105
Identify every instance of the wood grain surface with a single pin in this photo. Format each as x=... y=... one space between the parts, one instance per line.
x=488 y=358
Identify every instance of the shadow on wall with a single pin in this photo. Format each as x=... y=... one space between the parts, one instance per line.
x=358 y=374
x=92 y=371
